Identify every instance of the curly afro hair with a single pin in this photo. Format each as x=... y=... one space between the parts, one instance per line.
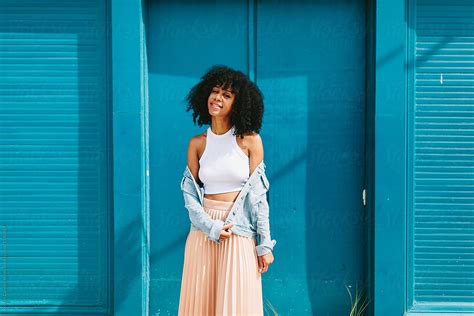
x=247 y=109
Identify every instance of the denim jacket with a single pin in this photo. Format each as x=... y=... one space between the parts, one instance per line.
x=249 y=213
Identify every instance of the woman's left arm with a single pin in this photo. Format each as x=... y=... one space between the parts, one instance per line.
x=264 y=249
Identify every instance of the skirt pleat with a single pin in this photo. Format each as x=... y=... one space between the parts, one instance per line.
x=220 y=279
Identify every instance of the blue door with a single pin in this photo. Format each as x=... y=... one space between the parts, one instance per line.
x=308 y=58
x=54 y=205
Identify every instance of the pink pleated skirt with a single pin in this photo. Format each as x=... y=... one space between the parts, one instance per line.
x=220 y=279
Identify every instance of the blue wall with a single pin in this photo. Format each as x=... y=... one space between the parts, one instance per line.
x=357 y=95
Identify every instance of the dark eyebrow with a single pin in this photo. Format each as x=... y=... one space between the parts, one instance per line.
x=224 y=90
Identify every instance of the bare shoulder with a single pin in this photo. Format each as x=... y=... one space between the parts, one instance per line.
x=255 y=146
x=254 y=141
x=195 y=147
x=197 y=141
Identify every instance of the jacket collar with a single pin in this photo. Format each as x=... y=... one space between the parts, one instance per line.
x=250 y=181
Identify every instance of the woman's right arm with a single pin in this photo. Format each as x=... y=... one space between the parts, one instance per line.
x=211 y=227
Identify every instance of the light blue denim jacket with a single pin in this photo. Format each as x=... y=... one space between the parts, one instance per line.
x=249 y=213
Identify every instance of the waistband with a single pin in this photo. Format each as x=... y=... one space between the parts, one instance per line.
x=217 y=205
x=235 y=230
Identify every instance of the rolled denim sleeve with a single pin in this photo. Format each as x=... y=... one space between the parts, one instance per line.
x=263 y=227
x=211 y=227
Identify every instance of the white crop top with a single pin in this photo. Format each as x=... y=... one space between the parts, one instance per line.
x=223 y=166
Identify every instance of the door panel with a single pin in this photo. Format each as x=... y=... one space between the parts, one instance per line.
x=183 y=40
x=310 y=65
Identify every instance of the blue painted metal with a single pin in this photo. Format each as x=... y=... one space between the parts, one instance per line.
x=54 y=159
x=131 y=217
x=369 y=151
x=311 y=68
x=310 y=65
x=440 y=161
x=390 y=158
x=309 y=60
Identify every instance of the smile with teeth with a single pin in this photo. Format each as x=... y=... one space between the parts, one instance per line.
x=215 y=105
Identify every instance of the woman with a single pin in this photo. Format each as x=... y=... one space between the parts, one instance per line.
x=224 y=278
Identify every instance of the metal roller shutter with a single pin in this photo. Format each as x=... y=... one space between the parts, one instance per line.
x=53 y=156
x=441 y=142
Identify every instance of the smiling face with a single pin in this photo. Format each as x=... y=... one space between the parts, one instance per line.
x=220 y=101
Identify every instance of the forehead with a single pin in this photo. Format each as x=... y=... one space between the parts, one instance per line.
x=220 y=87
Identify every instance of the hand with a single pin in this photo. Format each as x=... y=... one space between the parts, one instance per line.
x=264 y=261
x=225 y=233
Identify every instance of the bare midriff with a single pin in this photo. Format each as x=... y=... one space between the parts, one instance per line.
x=227 y=196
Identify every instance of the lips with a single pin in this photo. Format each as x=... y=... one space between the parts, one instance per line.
x=216 y=105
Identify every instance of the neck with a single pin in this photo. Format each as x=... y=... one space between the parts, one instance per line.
x=220 y=126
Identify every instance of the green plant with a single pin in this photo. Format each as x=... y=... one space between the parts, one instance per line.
x=267 y=302
x=359 y=303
